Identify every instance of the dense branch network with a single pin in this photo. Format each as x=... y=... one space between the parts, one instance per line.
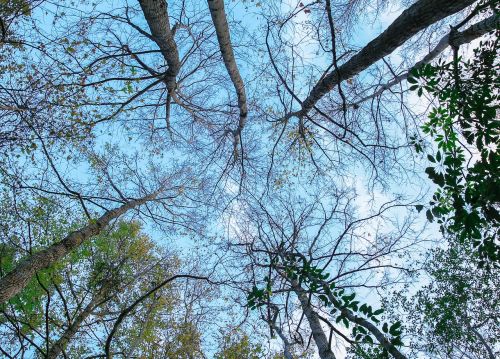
x=322 y=213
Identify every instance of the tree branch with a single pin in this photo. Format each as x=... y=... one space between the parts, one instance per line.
x=457 y=39
x=223 y=37
x=414 y=19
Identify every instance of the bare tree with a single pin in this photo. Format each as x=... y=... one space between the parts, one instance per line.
x=301 y=259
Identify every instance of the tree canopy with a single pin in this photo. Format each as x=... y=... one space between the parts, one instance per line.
x=249 y=179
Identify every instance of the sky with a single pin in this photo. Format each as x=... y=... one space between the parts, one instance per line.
x=367 y=200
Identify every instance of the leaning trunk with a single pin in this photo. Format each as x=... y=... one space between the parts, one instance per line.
x=417 y=17
x=156 y=14
x=15 y=281
x=226 y=48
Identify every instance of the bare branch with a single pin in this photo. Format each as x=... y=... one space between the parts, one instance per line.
x=223 y=37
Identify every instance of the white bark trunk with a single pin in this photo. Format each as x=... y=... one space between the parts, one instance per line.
x=318 y=334
x=223 y=37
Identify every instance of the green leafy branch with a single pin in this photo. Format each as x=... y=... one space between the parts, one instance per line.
x=467 y=199
x=363 y=317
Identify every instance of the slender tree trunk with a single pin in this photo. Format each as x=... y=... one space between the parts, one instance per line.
x=287 y=346
x=318 y=334
x=223 y=37
x=15 y=281
x=417 y=17
x=58 y=347
x=156 y=14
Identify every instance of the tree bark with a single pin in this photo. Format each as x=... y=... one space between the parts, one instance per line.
x=318 y=334
x=15 y=281
x=223 y=37
x=456 y=39
x=417 y=17
x=156 y=14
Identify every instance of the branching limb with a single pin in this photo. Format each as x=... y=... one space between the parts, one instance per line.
x=414 y=19
x=223 y=37
x=456 y=39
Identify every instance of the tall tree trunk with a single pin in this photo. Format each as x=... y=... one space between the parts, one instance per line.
x=15 y=281
x=417 y=17
x=318 y=334
x=223 y=37
x=156 y=14
x=454 y=38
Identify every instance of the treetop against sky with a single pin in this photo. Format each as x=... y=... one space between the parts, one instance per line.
x=249 y=179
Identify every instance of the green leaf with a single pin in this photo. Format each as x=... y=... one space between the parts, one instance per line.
x=429 y=215
x=412 y=80
x=394 y=329
x=414 y=72
x=324 y=298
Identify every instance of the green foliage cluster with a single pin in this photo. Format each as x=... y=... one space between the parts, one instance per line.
x=315 y=280
x=466 y=130
x=456 y=311
x=46 y=225
x=237 y=345
x=15 y=7
x=458 y=303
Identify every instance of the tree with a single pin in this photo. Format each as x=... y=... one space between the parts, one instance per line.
x=459 y=307
x=82 y=294
x=455 y=313
x=237 y=345
x=274 y=147
x=309 y=259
